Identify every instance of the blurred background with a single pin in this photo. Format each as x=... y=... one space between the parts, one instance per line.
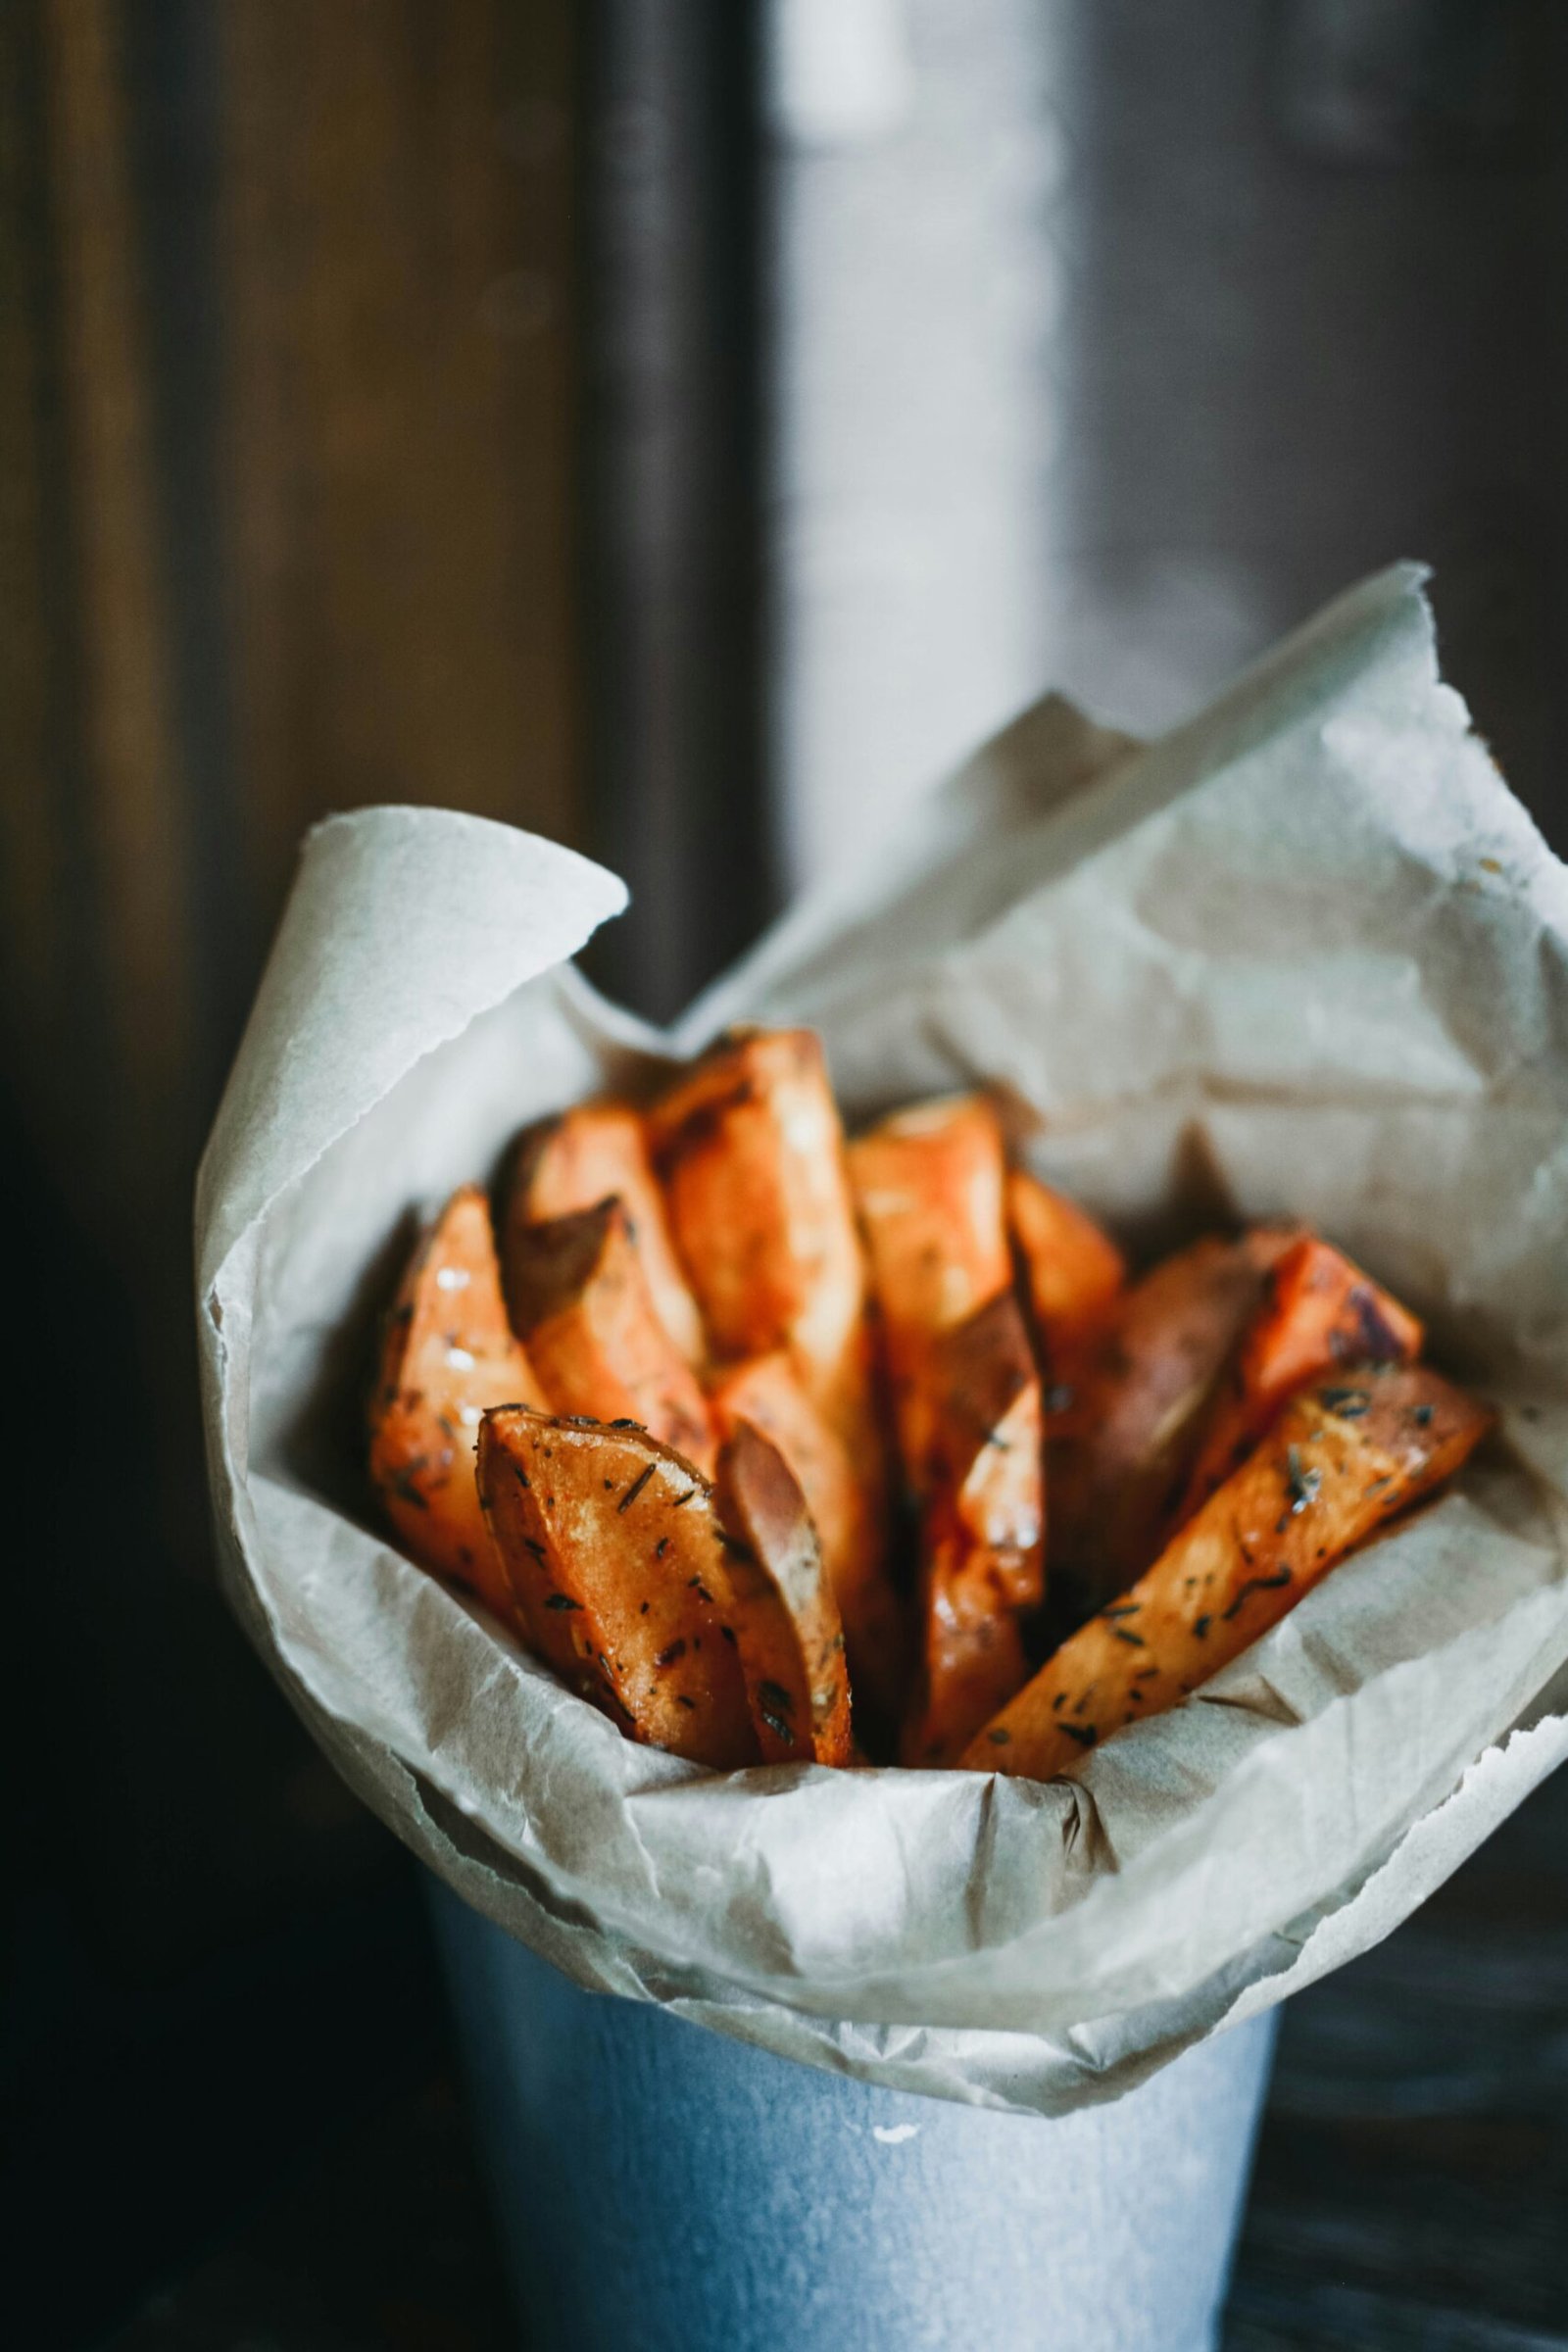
x=682 y=427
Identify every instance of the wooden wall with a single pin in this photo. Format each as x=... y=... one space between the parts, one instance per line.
x=286 y=526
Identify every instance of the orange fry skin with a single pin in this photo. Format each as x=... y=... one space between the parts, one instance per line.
x=1129 y=1410
x=766 y=1391
x=786 y=1621
x=1318 y=1310
x=972 y=1655
x=988 y=1450
x=929 y=1188
x=1342 y=1458
x=612 y=1541
x=1072 y=1270
x=448 y=1354
x=982 y=1529
x=749 y=1150
x=577 y=1288
x=587 y=1154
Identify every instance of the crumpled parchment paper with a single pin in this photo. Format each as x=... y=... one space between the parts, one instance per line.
x=1304 y=955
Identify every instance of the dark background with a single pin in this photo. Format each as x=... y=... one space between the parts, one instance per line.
x=681 y=431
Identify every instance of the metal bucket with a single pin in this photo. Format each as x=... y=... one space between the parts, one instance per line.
x=659 y=2186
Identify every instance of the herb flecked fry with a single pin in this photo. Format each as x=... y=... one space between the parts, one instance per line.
x=1343 y=1457
x=449 y=1352
x=766 y=1391
x=577 y=1288
x=612 y=1541
x=1126 y=1411
x=587 y=1154
x=1318 y=1310
x=786 y=1620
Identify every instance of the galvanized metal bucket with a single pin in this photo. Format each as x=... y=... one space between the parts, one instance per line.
x=659 y=2186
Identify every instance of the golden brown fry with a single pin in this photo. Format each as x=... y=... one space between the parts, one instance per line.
x=1127 y=1414
x=766 y=1391
x=987 y=1447
x=972 y=1656
x=751 y=1151
x=1072 y=1271
x=785 y=1618
x=982 y=1529
x=614 y=1544
x=449 y=1352
x=929 y=1188
x=1318 y=1310
x=1342 y=1458
x=577 y=1288
x=587 y=1154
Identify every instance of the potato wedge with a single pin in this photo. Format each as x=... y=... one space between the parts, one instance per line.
x=766 y=1391
x=1126 y=1415
x=1318 y=1310
x=1342 y=1458
x=447 y=1353
x=614 y=1544
x=785 y=1618
x=589 y=1154
x=929 y=1190
x=982 y=1529
x=751 y=1153
x=972 y=1656
x=989 y=1448
x=1071 y=1270
x=578 y=1290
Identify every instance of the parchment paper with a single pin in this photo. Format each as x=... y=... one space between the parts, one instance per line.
x=1304 y=955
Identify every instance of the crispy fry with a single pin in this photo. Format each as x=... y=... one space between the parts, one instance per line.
x=982 y=1529
x=766 y=1391
x=447 y=1353
x=988 y=1448
x=1318 y=1310
x=616 y=1548
x=972 y=1652
x=1342 y=1458
x=577 y=1288
x=1072 y=1271
x=751 y=1151
x=1127 y=1414
x=785 y=1618
x=928 y=1185
x=587 y=1154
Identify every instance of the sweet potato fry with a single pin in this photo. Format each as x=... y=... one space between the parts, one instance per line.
x=982 y=1529
x=785 y=1618
x=615 y=1545
x=988 y=1448
x=766 y=1391
x=928 y=1186
x=972 y=1657
x=1342 y=1458
x=449 y=1352
x=751 y=1151
x=577 y=1288
x=1126 y=1415
x=1318 y=1310
x=584 y=1155
x=1072 y=1271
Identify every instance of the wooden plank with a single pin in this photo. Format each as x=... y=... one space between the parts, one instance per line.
x=395 y=236
x=136 y=817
